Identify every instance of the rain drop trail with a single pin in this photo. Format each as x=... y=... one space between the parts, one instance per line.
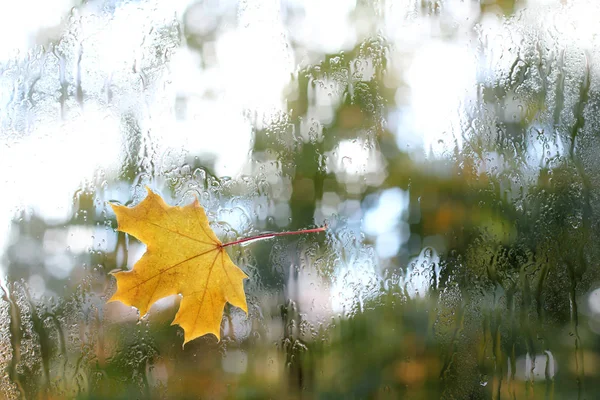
x=15 y=338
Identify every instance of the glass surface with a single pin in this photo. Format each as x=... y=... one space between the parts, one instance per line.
x=451 y=147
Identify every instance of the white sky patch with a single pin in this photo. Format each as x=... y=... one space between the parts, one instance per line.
x=384 y=221
x=441 y=77
x=354 y=284
x=212 y=129
x=256 y=59
x=324 y=26
x=385 y=216
x=253 y=64
x=20 y=21
x=353 y=160
x=45 y=169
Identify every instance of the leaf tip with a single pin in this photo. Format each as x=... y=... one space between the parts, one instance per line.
x=186 y=341
x=114 y=206
x=189 y=336
x=196 y=202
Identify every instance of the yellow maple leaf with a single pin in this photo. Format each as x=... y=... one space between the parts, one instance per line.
x=183 y=256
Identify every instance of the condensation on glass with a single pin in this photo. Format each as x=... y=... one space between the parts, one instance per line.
x=451 y=147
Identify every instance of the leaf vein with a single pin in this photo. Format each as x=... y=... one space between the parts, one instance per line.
x=171 y=267
x=179 y=233
x=205 y=290
x=225 y=270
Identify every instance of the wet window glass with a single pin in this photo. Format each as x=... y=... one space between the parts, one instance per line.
x=442 y=159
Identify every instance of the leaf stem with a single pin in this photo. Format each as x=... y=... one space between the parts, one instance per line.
x=271 y=235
